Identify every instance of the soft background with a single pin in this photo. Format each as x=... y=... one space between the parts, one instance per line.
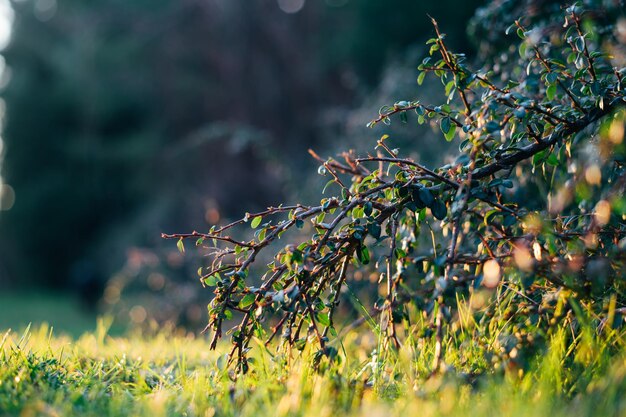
x=123 y=119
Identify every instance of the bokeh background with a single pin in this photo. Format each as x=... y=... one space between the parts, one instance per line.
x=122 y=119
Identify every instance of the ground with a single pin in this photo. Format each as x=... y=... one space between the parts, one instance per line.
x=170 y=372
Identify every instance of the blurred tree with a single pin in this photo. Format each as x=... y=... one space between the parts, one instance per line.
x=124 y=118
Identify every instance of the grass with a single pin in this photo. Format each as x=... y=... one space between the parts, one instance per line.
x=172 y=373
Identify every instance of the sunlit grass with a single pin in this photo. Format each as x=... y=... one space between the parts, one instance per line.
x=173 y=373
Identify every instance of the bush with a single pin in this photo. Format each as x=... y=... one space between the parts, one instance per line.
x=526 y=223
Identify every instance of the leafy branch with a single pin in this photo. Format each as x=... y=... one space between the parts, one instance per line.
x=389 y=208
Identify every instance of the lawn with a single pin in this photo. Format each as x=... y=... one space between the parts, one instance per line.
x=174 y=373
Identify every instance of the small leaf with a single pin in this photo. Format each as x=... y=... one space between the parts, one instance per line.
x=439 y=209
x=210 y=281
x=367 y=208
x=445 y=125
x=247 y=300
x=450 y=135
x=509 y=220
x=364 y=255
x=323 y=319
x=420 y=78
x=551 y=77
x=327 y=184
x=180 y=245
x=256 y=222
x=415 y=195
x=374 y=230
x=426 y=196
x=300 y=343
x=489 y=215
x=539 y=157
x=448 y=88
x=552 y=160
x=551 y=91
x=492 y=126
x=523 y=48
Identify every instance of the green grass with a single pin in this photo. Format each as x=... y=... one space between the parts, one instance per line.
x=172 y=373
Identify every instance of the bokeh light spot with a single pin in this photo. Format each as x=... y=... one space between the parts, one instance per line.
x=523 y=258
x=45 y=9
x=491 y=273
x=7 y=197
x=138 y=314
x=291 y=6
x=616 y=131
x=593 y=175
x=603 y=212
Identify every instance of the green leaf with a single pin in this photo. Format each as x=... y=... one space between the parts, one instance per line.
x=210 y=281
x=323 y=319
x=489 y=215
x=492 y=126
x=296 y=256
x=247 y=300
x=420 y=78
x=449 y=87
x=450 y=135
x=445 y=125
x=367 y=208
x=256 y=222
x=552 y=160
x=180 y=245
x=439 y=209
x=364 y=255
x=509 y=220
x=539 y=157
x=551 y=91
x=426 y=196
x=374 y=230
x=326 y=186
x=415 y=195
x=300 y=343
x=523 y=48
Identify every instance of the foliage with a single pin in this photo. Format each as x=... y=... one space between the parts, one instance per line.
x=173 y=374
x=529 y=215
